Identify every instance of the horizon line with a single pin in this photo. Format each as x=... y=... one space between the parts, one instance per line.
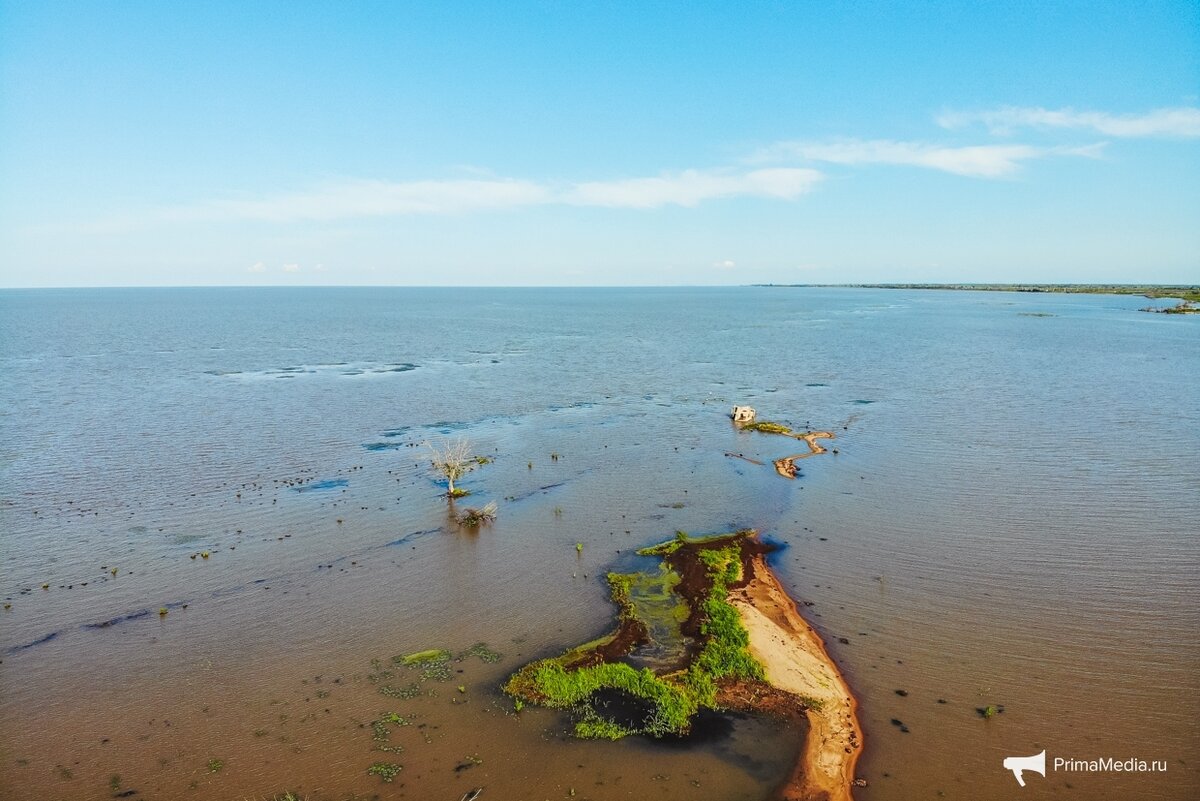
x=819 y=285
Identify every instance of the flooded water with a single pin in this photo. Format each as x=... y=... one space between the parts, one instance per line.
x=1007 y=519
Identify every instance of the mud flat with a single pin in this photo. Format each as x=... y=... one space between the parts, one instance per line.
x=739 y=644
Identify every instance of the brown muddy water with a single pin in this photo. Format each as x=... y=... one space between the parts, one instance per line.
x=1008 y=521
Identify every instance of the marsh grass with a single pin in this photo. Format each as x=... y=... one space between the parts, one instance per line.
x=767 y=427
x=672 y=700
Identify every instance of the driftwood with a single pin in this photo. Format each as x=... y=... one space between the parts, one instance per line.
x=745 y=458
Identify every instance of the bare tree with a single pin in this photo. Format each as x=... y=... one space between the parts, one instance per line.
x=453 y=460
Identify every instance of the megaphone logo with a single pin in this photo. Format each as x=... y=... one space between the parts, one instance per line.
x=1018 y=765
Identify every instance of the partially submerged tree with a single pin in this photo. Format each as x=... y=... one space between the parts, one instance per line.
x=453 y=460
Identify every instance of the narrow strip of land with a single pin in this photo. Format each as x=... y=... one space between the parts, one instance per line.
x=795 y=660
x=786 y=466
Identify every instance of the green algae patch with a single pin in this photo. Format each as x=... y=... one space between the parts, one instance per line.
x=767 y=427
x=609 y=698
x=421 y=657
x=387 y=771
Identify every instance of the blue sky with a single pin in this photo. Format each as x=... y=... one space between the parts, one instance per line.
x=610 y=143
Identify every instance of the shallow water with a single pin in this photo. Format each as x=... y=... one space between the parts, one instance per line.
x=1008 y=520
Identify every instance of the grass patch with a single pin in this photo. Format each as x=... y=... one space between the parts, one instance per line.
x=672 y=700
x=666 y=548
x=767 y=427
x=549 y=684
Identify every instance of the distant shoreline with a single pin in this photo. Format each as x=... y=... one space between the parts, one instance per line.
x=1186 y=293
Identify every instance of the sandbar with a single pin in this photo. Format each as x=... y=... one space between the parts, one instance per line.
x=795 y=660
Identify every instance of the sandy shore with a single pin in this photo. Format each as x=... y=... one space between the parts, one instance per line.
x=796 y=661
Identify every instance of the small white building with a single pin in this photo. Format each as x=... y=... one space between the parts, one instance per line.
x=742 y=414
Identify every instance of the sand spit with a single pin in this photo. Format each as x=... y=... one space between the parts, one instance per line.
x=795 y=661
x=786 y=466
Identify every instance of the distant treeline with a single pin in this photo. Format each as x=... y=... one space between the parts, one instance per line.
x=1186 y=293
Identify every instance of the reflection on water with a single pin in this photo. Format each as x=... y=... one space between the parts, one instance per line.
x=1008 y=521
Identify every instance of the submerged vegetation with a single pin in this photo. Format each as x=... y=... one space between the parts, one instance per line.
x=609 y=698
x=474 y=517
x=385 y=770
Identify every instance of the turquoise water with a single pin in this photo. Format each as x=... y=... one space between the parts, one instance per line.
x=1009 y=519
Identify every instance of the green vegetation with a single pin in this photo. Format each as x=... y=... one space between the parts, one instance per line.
x=385 y=770
x=421 y=658
x=382 y=733
x=662 y=704
x=726 y=642
x=433 y=664
x=215 y=765
x=767 y=427
x=643 y=597
x=550 y=684
x=482 y=652
x=594 y=727
x=682 y=538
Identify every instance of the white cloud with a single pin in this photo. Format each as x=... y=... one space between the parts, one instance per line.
x=725 y=264
x=257 y=267
x=976 y=161
x=691 y=187
x=1180 y=122
x=367 y=199
x=291 y=268
x=372 y=198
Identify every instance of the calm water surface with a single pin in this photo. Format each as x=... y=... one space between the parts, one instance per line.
x=1010 y=520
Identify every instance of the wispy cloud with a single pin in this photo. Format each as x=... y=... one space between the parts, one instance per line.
x=976 y=161
x=1180 y=122
x=372 y=198
x=359 y=198
x=692 y=187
